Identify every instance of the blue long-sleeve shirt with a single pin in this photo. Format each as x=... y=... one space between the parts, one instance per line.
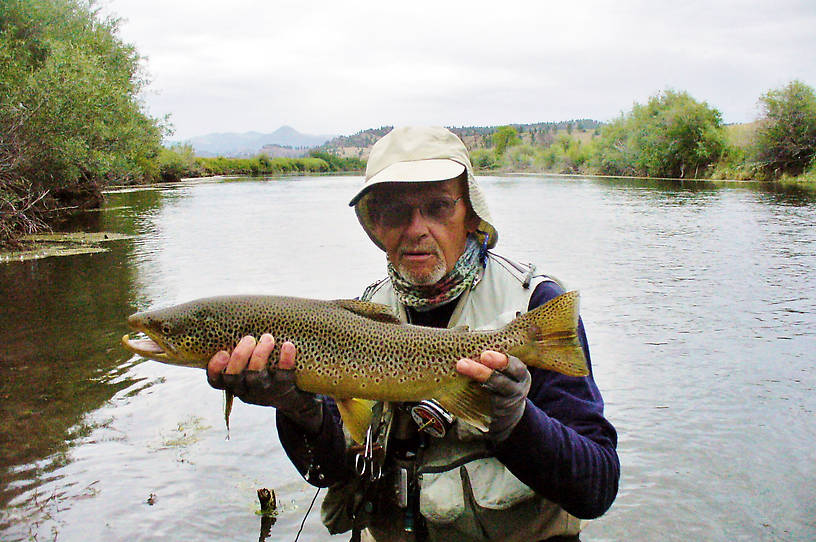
x=563 y=447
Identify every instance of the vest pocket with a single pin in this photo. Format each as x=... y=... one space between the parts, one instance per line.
x=482 y=500
x=494 y=487
x=441 y=499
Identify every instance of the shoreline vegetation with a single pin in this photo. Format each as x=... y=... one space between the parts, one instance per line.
x=72 y=124
x=44 y=245
x=179 y=162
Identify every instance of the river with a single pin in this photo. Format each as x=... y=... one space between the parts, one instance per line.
x=699 y=301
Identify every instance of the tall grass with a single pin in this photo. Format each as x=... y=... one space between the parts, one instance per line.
x=179 y=161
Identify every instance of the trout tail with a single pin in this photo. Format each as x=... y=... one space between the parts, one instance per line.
x=552 y=337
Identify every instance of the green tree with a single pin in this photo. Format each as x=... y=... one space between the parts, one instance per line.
x=673 y=135
x=505 y=136
x=70 y=116
x=786 y=138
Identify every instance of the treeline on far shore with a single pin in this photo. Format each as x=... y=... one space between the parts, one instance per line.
x=673 y=135
x=179 y=161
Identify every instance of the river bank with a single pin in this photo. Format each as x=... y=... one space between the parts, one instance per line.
x=63 y=239
x=805 y=181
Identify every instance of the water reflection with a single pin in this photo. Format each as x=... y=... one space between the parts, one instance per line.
x=58 y=355
x=698 y=299
x=56 y=348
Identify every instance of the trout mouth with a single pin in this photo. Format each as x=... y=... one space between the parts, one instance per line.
x=145 y=347
x=150 y=345
x=156 y=341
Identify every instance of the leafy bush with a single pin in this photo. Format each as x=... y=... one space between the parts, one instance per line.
x=314 y=165
x=483 y=159
x=336 y=163
x=673 y=135
x=178 y=161
x=520 y=157
x=566 y=155
x=786 y=138
x=734 y=164
x=806 y=178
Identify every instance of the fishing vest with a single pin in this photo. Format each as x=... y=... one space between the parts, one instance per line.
x=465 y=494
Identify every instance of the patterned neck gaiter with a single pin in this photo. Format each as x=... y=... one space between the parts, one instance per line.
x=448 y=288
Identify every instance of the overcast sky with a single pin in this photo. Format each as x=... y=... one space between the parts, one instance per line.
x=337 y=67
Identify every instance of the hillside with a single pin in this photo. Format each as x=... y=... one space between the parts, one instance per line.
x=474 y=137
x=251 y=143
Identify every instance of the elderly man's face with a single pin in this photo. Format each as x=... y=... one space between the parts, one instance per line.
x=423 y=226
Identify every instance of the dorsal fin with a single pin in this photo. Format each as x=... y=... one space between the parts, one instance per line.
x=367 y=309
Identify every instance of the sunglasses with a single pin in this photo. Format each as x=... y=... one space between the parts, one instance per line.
x=395 y=214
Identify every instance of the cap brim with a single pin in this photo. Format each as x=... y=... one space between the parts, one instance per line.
x=413 y=171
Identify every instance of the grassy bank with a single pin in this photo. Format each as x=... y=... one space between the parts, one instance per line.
x=179 y=162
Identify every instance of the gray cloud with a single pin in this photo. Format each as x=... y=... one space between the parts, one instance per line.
x=340 y=67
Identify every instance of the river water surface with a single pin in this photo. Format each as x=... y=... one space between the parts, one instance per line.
x=699 y=302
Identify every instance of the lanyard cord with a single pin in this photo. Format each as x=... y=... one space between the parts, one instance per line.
x=302 y=523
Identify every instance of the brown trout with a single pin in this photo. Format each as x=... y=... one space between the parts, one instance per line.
x=350 y=349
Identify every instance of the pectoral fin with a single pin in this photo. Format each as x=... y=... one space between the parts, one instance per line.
x=468 y=401
x=356 y=415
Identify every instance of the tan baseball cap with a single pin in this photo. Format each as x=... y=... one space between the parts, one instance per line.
x=421 y=154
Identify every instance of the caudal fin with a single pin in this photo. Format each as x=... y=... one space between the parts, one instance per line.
x=552 y=331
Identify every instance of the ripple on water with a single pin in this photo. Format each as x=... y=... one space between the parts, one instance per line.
x=698 y=301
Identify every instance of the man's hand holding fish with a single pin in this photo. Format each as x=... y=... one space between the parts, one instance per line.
x=246 y=373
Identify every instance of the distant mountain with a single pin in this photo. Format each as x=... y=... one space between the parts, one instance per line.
x=250 y=143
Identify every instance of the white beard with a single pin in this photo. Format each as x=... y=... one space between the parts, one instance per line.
x=425 y=279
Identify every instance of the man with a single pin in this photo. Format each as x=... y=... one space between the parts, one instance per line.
x=549 y=456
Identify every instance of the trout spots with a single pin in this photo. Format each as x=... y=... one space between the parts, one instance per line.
x=337 y=347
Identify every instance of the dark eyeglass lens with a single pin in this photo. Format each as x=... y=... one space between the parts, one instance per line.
x=398 y=214
x=438 y=210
